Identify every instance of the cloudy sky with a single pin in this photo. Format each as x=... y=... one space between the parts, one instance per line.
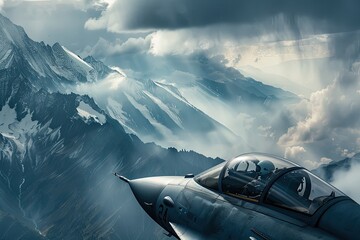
x=158 y=26
x=308 y=47
x=260 y=34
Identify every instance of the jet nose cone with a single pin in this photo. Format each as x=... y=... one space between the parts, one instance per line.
x=147 y=191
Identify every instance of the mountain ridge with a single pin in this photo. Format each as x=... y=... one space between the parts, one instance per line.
x=57 y=154
x=64 y=150
x=328 y=171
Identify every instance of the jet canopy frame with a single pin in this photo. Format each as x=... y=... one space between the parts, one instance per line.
x=286 y=185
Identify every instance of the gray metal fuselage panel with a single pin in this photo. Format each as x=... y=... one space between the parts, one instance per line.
x=219 y=216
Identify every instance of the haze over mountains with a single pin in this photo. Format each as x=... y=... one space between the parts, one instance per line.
x=182 y=110
x=59 y=148
x=67 y=123
x=166 y=112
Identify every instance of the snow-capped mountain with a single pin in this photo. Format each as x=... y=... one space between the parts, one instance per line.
x=101 y=69
x=182 y=112
x=46 y=66
x=57 y=154
x=170 y=111
x=157 y=112
x=58 y=151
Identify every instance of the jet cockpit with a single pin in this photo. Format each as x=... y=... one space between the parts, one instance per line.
x=266 y=179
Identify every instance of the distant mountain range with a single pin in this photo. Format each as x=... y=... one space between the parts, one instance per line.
x=67 y=123
x=327 y=171
x=183 y=110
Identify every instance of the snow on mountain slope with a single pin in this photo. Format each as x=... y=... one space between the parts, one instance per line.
x=78 y=61
x=12 y=128
x=218 y=104
x=89 y=115
x=81 y=66
x=214 y=107
x=157 y=112
x=240 y=104
x=6 y=58
x=173 y=115
x=11 y=33
x=114 y=109
x=101 y=69
x=53 y=67
x=173 y=91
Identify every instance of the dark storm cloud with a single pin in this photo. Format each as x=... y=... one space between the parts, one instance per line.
x=346 y=46
x=173 y=14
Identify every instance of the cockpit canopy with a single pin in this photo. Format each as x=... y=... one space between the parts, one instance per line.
x=276 y=181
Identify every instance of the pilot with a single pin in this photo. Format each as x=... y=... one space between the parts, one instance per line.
x=267 y=168
x=255 y=187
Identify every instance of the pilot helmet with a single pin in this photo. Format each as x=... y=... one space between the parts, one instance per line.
x=266 y=167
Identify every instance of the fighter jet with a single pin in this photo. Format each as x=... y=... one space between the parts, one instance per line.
x=253 y=196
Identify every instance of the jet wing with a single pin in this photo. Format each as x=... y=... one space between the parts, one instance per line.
x=185 y=233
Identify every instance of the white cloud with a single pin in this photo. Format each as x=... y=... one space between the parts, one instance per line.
x=325 y=160
x=161 y=43
x=311 y=164
x=178 y=42
x=330 y=112
x=348 y=181
x=301 y=156
x=346 y=153
x=124 y=17
x=294 y=152
x=266 y=131
x=112 y=18
x=105 y=48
